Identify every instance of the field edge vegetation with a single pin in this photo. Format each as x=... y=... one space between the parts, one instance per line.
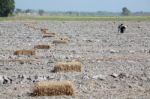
x=76 y=18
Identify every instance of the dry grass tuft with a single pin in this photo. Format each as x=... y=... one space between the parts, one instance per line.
x=24 y=52
x=41 y=47
x=68 y=66
x=53 y=88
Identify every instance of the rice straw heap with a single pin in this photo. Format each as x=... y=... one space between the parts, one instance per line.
x=53 y=88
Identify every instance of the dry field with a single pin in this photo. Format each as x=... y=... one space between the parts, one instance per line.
x=114 y=65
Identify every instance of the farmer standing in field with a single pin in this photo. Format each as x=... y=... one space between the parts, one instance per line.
x=121 y=28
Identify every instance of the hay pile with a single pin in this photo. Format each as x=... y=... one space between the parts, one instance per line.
x=68 y=67
x=46 y=33
x=53 y=88
x=41 y=47
x=24 y=52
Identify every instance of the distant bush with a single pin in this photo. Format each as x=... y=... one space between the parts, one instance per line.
x=6 y=7
x=126 y=11
x=41 y=12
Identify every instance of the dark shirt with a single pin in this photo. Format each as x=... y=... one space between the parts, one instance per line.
x=121 y=28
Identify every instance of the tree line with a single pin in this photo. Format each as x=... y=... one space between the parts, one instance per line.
x=125 y=12
x=7 y=8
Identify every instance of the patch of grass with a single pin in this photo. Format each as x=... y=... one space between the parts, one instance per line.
x=77 y=18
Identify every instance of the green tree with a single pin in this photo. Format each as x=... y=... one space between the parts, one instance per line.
x=28 y=11
x=18 y=11
x=6 y=7
x=41 y=12
x=126 y=11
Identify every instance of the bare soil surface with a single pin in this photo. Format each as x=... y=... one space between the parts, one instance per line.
x=116 y=66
